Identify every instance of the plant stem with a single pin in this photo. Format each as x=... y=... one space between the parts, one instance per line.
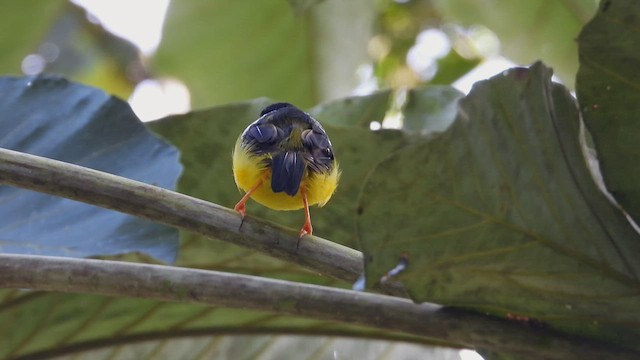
x=168 y=283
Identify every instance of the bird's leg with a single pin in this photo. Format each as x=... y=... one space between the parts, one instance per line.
x=306 y=229
x=241 y=206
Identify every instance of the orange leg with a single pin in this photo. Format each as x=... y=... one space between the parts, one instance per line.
x=306 y=229
x=241 y=206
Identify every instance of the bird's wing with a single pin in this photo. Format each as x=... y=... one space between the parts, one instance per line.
x=319 y=152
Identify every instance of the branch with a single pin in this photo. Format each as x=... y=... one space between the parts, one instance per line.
x=213 y=288
x=221 y=289
x=177 y=210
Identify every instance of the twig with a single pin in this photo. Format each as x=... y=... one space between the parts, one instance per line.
x=168 y=283
x=177 y=210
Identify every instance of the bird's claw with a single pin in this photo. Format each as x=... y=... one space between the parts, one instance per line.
x=241 y=208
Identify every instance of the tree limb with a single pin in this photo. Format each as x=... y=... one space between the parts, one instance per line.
x=175 y=284
x=177 y=210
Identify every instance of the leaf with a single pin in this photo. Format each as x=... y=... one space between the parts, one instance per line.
x=430 y=109
x=500 y=214
x=51 y=117
x=356 y=110
x=529 y=30
x=231 y=51
x=206 y=139
x=42 y=324
x=608 y=87
x=23 y=24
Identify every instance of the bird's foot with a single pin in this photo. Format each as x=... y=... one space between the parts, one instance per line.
x=306 y=230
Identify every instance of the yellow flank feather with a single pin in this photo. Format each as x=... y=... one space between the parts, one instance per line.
x=250 y=168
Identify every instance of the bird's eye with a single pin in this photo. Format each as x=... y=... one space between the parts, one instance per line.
x=328 y=153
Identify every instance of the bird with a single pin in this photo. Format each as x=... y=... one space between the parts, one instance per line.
x=284 y=160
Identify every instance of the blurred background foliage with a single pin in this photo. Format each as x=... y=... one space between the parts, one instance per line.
x=302 y=51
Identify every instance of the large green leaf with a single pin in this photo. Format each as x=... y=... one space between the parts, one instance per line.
x=608 y=87
x=235 y=50
x=51 y=117
x=206 y=139
x=529 y=30
x=500 y=213
x=41 y=325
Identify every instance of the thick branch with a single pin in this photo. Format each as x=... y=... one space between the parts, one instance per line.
x=177 y=210
x=241 y=291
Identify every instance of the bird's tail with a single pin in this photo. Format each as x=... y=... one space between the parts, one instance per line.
x=287 y=171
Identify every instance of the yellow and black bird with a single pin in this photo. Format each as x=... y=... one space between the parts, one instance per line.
x=284 y=161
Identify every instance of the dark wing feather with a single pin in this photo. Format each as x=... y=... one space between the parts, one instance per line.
x=293 y=140
x=287 y=171
x=262 y=138
x=319 y=151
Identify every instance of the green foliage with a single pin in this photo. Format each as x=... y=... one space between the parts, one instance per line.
x=231 y=66
x=608 y=87
x=40 y=325
x=502 y=215
x=67 y=43
x=275 y=52
x=529 y=30
x=23 y=37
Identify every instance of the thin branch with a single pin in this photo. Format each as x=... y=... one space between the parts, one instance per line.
x=175 y=284
x=177 y=210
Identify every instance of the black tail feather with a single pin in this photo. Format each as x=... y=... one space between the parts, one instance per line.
x=288 y=169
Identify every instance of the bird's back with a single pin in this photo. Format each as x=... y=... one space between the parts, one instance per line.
x=290 y=149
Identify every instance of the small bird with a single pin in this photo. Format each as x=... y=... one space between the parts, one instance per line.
x=284 y=161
